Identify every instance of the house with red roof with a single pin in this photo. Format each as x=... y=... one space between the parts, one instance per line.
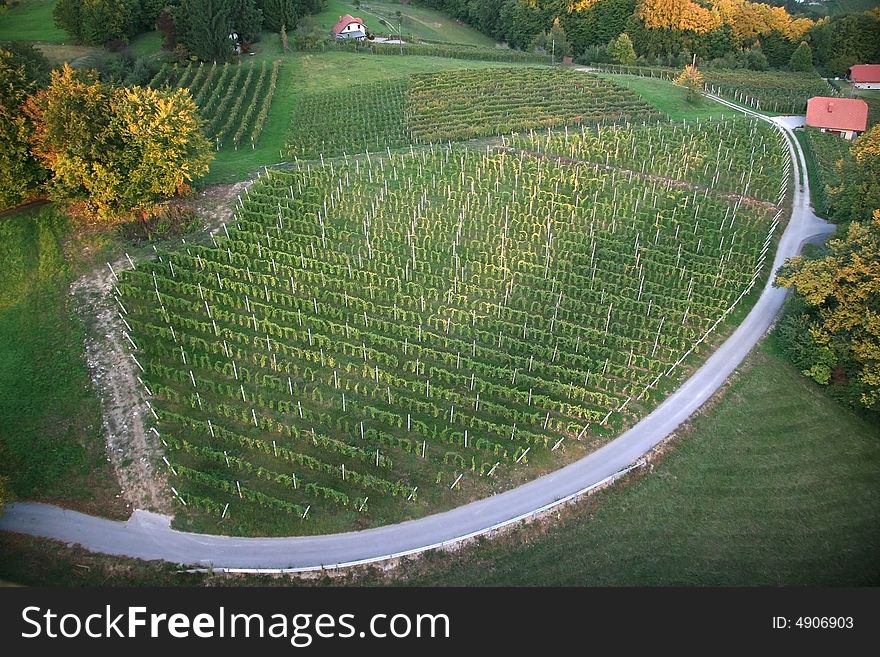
x=865 y=76
x=847 y=117
x=349 y=27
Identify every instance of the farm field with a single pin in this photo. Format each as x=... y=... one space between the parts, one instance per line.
x=707 y=153
x=734 y=503
x=234 y=99
x=303 y=74
x=315 y=377
x=769 y=91
x=455 y=106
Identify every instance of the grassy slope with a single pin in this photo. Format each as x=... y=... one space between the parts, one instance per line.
x=418 y=22
x=303 y=73
x=670 y=99
x=791 y=500
x=32 y=20
x=51 y=441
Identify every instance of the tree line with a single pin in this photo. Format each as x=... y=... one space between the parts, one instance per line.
x=736 y=33
x=200 y=28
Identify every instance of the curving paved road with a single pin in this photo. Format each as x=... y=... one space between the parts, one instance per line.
x=149 y=536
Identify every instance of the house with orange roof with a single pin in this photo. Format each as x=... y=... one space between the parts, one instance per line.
x=847 y=117
x=349 y=27
x=865 y=76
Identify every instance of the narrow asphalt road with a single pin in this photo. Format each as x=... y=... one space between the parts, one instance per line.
x=149 y=536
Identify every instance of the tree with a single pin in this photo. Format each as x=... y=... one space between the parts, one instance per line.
x=308 y=35
x=115 y=152
x=622 y=51
x=96 y=22
x=280 y=12
x=859 y=193
x=841 y=295
x=557 y=40
x=802 y=58
x=692 y=80
x=285 y=43
x=20 y=172
x=204 y=26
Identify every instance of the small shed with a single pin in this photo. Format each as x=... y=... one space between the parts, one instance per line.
x=349 y=27
x=847 y=117
x=865 y=76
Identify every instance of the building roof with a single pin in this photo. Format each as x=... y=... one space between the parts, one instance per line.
x=345 y=21
x=864 y=73
x=837 y=113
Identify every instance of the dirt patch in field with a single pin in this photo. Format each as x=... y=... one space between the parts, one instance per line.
x=133 y=450
x=216 y=204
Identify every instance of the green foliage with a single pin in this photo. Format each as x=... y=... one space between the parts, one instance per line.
x=802 y=58
x=840 y=292
x=842 y=41
x=621 y=50
x=281 y=13
x=858 y=193
x=20 y=172
x=116 y=150
x=204 y=26
x=5 y=492
x=97 y=22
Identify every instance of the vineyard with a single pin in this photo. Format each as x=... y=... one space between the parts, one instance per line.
x=734 y=155
x=234 y=99
x=454 y=106
x=784 y=92
x=382 y=336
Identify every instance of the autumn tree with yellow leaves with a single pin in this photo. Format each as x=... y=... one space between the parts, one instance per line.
x=115 y=152
x=834 y=335
x=692 y=80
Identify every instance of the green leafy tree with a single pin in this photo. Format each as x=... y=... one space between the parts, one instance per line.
x=622 y=51
x=557 y=39
x=859 y=192
x=802 y=58
x=20 y=172
x=308 y=34
x=278 y=13
x=96 y=22
x=203 y=28
x=116 y=152
x=840 y=292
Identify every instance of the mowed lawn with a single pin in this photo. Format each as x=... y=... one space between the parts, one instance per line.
x=31 y=20
x=670 y=99
x=51 y=440
x=418 y=22
x=773 y=484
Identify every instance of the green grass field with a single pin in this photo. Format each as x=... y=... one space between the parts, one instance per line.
x=51 y=441
x=32 y=20
x=670 y=99
x=792 y=500
x=417 y=22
